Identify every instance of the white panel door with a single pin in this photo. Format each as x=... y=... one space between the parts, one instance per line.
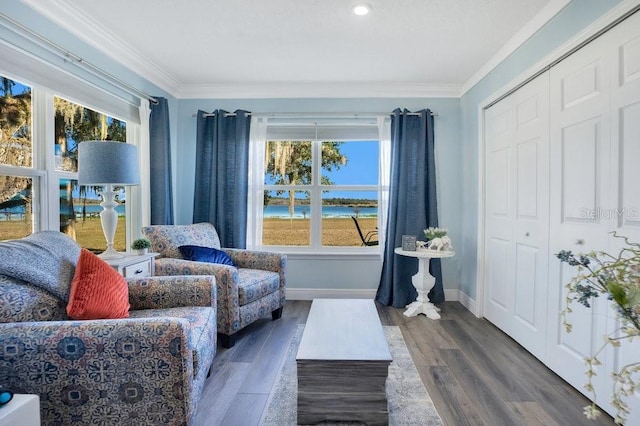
x=579 y=195
x=517 y=214
x=625 y=171
x=595 y=181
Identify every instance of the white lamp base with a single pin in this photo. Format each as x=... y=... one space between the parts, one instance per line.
x=109 y=220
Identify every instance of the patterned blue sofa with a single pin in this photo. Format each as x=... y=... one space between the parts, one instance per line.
x=149 y=368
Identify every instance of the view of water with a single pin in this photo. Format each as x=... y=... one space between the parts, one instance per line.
x=300 y=212
x=18 y=212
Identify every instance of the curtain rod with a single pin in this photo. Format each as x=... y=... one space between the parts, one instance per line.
x=67 y=56
x=313 y=115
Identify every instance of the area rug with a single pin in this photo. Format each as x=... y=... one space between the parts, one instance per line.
x=408 y=400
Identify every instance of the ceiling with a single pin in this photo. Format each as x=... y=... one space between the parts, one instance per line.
x=310 y=48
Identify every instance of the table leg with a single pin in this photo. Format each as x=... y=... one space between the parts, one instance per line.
x=423 y=281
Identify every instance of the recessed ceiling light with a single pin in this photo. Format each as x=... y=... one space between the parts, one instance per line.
x=361 y=9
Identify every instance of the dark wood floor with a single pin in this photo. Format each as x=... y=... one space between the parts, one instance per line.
x=474 y=373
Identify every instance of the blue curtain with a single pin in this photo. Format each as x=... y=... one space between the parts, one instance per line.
x=160 y=163
x=412 y=206
x=222 y=167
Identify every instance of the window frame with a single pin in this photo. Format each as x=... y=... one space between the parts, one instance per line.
x=46 y=203
x=256 y=204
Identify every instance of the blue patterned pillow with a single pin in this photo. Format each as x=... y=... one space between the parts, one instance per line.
x=205 y=254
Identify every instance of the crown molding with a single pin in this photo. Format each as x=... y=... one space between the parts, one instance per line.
x=545 y=15
x=318 y=90
x=96 y=35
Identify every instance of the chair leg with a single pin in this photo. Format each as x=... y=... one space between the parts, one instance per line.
x=227 y=340
x=276 y=314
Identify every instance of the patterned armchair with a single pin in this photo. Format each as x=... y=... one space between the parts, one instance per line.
x=147 y=369
x=252 y=289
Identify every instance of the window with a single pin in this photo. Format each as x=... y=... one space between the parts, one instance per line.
x=313 y=188
x=39 y=136
x=80 y=205
x=17 y=175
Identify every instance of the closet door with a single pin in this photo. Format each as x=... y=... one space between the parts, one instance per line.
x=595 y=152
x=580 y=194
x=516 y=214
x=625 y=176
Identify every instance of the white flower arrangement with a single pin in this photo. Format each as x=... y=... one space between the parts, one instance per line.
x=432 y=232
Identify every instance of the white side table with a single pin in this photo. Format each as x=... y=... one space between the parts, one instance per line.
x=134 y=265
x=22 y=410
x=423 y=281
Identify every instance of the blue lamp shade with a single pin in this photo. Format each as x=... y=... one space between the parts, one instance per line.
x=107 y=163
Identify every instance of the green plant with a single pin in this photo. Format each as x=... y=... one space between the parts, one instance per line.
x=141 y=244
x=431 y=233
x=617 y=277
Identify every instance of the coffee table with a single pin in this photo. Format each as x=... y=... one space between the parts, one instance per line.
x=343 y=363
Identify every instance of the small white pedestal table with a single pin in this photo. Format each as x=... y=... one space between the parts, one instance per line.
x=423 y=281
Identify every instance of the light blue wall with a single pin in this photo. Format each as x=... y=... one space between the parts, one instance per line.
x=456 y=127
x=575 y=17
x=357 y=274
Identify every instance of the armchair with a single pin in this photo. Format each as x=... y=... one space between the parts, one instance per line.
x=246 y=292
x=147 y=369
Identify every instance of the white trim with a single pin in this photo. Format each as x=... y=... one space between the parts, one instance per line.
x=329 y=293
x=317 y=90
x=479 y=305
x=451 y=295
x=469 y=303
x=67 y=16
x=586 y=33
x=610 y=16
x=541 y=19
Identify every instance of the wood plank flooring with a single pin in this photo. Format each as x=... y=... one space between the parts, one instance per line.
x=474 y=373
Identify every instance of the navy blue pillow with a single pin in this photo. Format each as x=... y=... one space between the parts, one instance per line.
x=205 y=254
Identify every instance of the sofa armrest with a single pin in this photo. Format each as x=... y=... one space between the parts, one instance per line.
x=103 y=370
x=253 y=259
x=162 y=292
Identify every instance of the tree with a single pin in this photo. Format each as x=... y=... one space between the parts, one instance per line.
x=15 y=145
x=73 y=124
x=289 y=163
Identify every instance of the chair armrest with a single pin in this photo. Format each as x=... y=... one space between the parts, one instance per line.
x=253 y=259
x=172 y=291
x=86 y=371
x=226 y=276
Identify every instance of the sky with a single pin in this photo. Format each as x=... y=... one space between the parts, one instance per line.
x=361 y=167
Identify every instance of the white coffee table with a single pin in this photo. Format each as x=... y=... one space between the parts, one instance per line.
x=343 y=362
x=423 y=281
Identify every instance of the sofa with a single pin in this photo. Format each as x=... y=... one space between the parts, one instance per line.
x=147 y=369
x=251 y=289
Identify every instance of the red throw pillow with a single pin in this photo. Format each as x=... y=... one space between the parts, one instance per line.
x=97 y=291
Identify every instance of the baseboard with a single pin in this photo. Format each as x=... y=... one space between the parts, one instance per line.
x=450 y=295
x=329 y=293
x=468 y=303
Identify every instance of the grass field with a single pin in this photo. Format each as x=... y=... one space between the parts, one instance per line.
x=88 y=233
x=337 y=232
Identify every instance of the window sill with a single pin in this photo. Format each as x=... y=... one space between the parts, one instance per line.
x=359 y=254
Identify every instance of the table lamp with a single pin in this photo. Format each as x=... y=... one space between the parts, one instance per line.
x=108 y=164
